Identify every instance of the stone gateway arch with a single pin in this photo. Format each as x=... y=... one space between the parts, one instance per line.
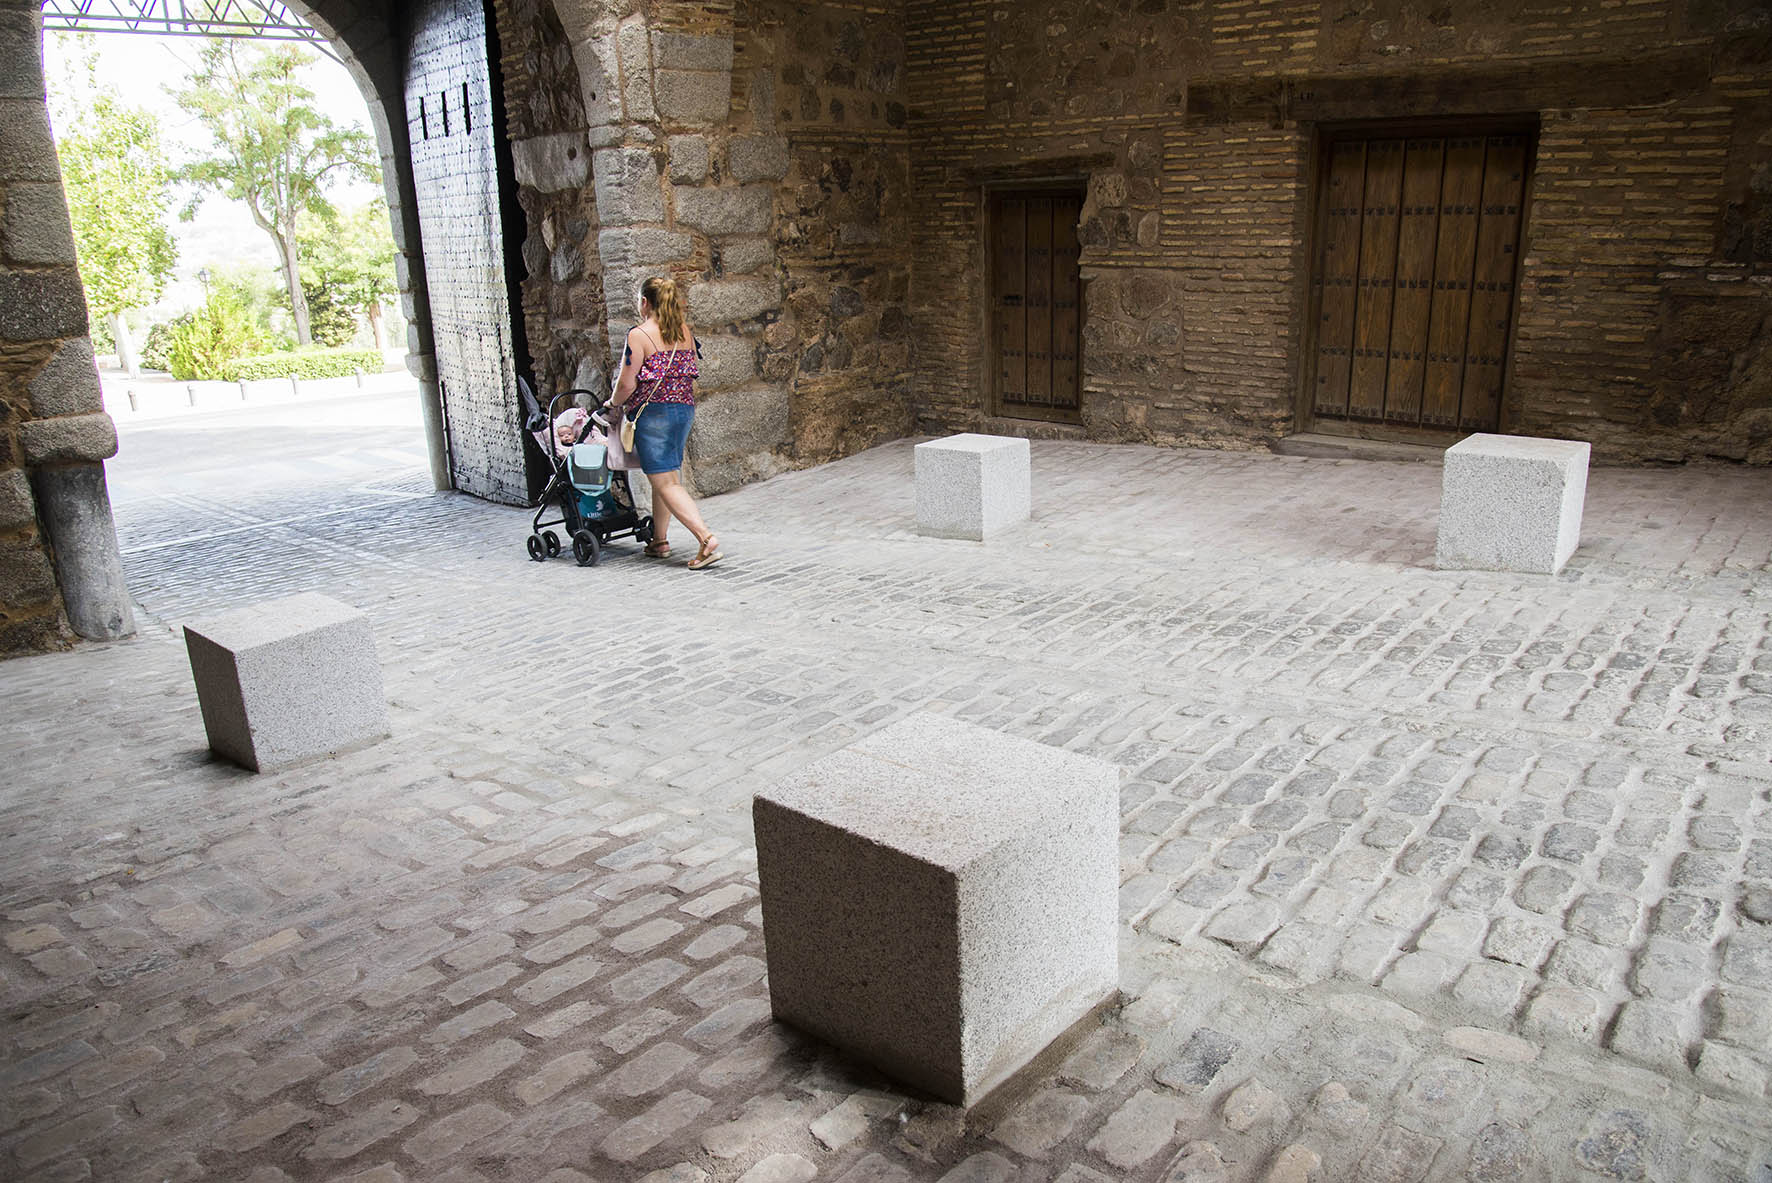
x=1173 y=227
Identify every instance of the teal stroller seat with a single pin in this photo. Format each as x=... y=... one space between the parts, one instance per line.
x=594 y=502
x=589 y=474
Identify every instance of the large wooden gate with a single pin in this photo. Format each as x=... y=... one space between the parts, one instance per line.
x=1036 y=322
x=1413 y=286
x=463 y=187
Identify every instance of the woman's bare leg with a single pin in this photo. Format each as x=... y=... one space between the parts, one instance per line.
x=661 y=512
x=667 y=488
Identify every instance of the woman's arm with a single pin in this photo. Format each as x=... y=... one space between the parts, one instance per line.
x=633 y=356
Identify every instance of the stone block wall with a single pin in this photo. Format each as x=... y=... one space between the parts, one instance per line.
x=738 y=148
x=49 y=395
x=827 y=109
x=655 y=87
x=562 y=291
x=1646 y=282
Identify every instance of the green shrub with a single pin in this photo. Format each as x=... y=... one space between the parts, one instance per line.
x=305 y=363
x=201 y=344
x=156 y=352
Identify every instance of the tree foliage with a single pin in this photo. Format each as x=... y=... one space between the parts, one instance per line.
x=273 y=149
x=348 y=269
x=259 y=291
x=118 y=186
x=330 y=323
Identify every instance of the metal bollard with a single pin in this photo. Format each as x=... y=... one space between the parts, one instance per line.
x=294 y=387
x=191 y=394
x=132 y=405
x=242 y=390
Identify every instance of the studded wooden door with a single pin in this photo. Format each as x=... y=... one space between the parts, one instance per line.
x=1036 y=306
x=463 y=188
x=1413 y=285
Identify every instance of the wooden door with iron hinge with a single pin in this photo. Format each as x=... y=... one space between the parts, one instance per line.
x=1036 y=325
x=1414 y=280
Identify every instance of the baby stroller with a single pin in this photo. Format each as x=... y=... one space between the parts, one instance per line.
x=594 y=501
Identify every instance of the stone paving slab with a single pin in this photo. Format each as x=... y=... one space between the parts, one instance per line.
x=1424 y=875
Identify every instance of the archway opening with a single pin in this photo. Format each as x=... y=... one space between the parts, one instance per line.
x=229 y=437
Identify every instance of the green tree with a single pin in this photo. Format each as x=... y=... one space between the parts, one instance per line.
x=331 y=323
x=349 y=266
x=273 y=149
x=118 y=187
x=258 y=290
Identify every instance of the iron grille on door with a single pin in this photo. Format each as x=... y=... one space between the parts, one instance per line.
x=1414 y=283
x=1036 y=322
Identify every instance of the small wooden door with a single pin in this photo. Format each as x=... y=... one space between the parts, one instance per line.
x=1036 y=306
x=1413 y=285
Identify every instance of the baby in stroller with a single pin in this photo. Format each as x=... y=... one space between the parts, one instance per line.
x=569 y=428
x=587 y=471
x=593 y=500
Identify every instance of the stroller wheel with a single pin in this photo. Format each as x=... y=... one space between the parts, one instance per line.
x=643 y=531
x=553 y=543
x=537 y=549
x=586 y=549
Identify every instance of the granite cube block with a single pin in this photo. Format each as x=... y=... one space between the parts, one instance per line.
x=287 y=681
x=972 y=486
x=940 y=900
x=1511 y=503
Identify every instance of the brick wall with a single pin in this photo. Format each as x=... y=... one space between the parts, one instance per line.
x=853 y=293
x=1230 y=219
x=1632 y=328
x=1645 y=313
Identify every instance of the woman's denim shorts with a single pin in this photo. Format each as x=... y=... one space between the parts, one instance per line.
x=660 y=434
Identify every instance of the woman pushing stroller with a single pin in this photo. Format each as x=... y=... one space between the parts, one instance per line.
x=659 y=364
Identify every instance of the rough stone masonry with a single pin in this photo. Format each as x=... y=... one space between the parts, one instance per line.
x=59 y=571
x=821 y=178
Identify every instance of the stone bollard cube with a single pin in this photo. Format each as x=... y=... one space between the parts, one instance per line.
x=287 y=681
x=972 y=486
x=941 y=901
x=1511 y=503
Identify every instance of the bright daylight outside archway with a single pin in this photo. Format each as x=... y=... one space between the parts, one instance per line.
x=267 y=323
x=281 y=239
x=285 y=195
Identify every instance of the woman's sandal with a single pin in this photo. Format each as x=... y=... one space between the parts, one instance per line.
x=658 y=550
x=708 y=555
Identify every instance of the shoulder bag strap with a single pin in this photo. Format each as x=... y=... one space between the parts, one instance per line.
x=644 y=403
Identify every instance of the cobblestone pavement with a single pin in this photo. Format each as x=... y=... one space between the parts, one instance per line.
x=1425 y=875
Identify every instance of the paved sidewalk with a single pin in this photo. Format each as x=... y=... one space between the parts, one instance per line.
x=1425 y=875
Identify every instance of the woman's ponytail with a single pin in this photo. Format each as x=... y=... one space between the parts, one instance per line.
x=667 y=304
